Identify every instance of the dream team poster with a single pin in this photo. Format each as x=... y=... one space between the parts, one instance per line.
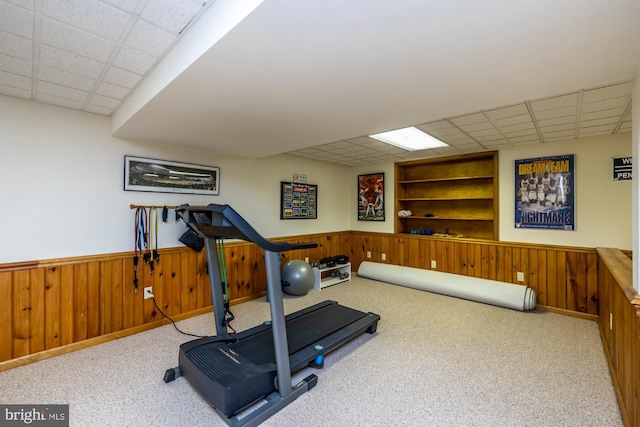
x=544 y=193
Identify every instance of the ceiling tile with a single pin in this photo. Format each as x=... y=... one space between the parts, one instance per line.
x=446 y=132
x=528 y=126
x=557 y=120
x=597 y=122
x=128 y=6
x=607 y=92
x=469 y=119
x=62 y=91
x=173 y=15
x=15 y=91
x=362 y=140
x=15 y=65
x=524 y=138
x=27 y=4
x=469 y=148
x=150 y=39
x=514 y=120
x=16 y=20
x=495 y=144
x=489 y=137
x=134 y=60
x=523 y=132
x=555 y=102
x=120 y=77
x=80 y=42
x=112 y=91
x=13 y=45
x=458 y=139
x=558 y=112
x=339 y=145
x=554 y=128
x=104 y=101
x=89 y=15
x=570 y=133
x=63 y=102
x=433 y=126
x=481 y=126
x=445 y=151
x=625 y=127
x=65 y=78
x=525 y=142
x=508 y=112
x=484 y=133
x=615 y=112
x=15 y=80
x=99 y=110
x=600 y=128
x=68 y=61
x=606 y=104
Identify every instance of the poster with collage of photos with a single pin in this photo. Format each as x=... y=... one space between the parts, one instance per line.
x=545 y=191
x=298 y=201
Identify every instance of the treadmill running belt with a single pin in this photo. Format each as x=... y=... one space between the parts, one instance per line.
x=301 y=332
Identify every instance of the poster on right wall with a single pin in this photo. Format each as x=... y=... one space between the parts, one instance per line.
x=544 y=196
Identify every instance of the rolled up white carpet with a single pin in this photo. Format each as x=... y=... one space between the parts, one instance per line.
x=508 y=295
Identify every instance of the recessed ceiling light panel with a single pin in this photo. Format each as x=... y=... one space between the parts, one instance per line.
x=410 y=139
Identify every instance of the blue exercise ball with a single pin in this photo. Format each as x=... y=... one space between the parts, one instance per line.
x=297 y=277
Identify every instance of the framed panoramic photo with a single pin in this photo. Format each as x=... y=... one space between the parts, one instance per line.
x=164 y=176
x=371 y=197
x=298 y=201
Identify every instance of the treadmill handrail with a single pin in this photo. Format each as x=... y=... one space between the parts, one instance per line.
x=229 y=224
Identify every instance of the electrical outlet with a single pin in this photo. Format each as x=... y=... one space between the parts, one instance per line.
x=369 y=254
x=520 y=276
x=306 y=259
x=433 y=263
x=148 y=292
x=383 y=256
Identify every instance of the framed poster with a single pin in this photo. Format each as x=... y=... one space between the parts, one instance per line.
x=544 y=188
x=165 y=176
x=298 y=201
x=371 y=197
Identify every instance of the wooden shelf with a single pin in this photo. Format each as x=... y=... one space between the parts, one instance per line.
x=457 y=178
x=439 y=218
x=459 y=191
x=443 y=199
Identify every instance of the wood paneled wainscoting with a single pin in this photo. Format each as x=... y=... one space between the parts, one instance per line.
x=55 y=306
x=619 y=322
x=565 y=279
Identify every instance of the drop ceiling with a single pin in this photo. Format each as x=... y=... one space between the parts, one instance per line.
x=314 y=78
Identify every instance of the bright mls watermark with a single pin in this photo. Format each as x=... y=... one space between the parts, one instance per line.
x=34 y=415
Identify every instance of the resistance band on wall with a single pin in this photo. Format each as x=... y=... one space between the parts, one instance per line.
x=228 y=316
x=139 y=241
x=145 y=240
x=154 y=256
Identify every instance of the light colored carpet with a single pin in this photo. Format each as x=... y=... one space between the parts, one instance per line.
x=435 y=360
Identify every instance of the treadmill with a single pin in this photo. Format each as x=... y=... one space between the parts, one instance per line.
x=232 y=372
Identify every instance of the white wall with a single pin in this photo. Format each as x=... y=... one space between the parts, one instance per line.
x=603 y=207
x=61 y=182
